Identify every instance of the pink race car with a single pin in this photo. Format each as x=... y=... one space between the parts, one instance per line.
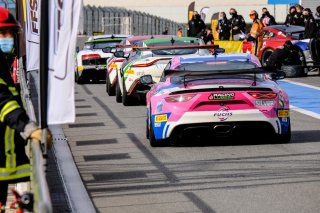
x=226 y=95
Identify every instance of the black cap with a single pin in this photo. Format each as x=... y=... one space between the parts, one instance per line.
x=308 y=10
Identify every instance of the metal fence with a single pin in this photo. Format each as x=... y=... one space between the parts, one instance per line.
x=114 y=20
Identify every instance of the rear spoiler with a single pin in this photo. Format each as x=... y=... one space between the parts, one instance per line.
x=276 y=74
x=203 y=46
x=258 y=70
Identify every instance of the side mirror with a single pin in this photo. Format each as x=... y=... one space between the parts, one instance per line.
x=106 y=50
x=146 y=79
x=278 y=75
x=77 y=49
x=119 y=54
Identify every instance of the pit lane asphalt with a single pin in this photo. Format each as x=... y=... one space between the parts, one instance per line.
x=122 y=173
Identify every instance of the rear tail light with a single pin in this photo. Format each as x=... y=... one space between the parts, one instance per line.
x=180 y=98
x=263 y=95
x=119 y=60
x=90 y=56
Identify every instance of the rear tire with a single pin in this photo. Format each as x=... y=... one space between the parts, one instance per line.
x=147 y=130
x=285 y=138
x=265 y=55
x=118 y=93
x=126 y=100
x=293 y=71
x=153 y=141
x=109 y=88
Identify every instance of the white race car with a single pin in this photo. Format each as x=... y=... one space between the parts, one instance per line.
x=92 y=61
x=114 y=63
x=151 y=62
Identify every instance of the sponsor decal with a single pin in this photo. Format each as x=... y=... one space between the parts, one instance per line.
x=223 y=114
x=161 y=118
x=283 y=113
x=130 y=72
x=113 y=65
x=281 y=101
x=157 y=124
x=222 y=96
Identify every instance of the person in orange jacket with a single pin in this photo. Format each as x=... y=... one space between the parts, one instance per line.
x=256 y=33
x=179 y=32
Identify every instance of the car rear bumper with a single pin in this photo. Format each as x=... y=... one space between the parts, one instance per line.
x=206 y=123
x=95 y=75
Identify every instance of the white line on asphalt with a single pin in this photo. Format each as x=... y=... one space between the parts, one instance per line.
x=76 y=192
x=301 y=84
x=306 y=112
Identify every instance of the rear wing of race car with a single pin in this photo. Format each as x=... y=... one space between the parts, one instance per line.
x=275 y=74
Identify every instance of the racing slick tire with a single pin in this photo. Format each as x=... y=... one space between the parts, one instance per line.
x=147 y=130
x=265 y=55
x=109 y=88
x=293 y=71
x=285 y=138
x=126 y=100
x=153 y=141
x=118 y=93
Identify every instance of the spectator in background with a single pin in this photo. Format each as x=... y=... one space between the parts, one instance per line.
x=179 y=32
x=310 y=30
x=208 y=36
x=238 y=24
x=267 y=19
x=224 y=27
x=196 y=26
x=165 y=32
x=298 y=18
x=290 y=20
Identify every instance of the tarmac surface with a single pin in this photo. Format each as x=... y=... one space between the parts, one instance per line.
x=123 y=173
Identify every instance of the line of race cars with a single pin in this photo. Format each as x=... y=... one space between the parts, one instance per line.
x=192 y=89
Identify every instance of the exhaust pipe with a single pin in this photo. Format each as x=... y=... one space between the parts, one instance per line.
x=222 y=129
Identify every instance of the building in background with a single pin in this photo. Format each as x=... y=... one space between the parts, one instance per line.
x=176 y=10
x=9 y=4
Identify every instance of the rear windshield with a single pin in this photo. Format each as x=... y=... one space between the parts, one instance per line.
x=217 y=65
x=100 y=45
x=175 y=51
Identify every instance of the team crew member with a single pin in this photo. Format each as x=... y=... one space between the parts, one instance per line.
x=15 y=125
x=238 y=24
x=207 y=36
x=298 y=18
x=290 y=20
x=196 y=26
x=287 y=54
x=310 y=30
x=256 y=33
x=224 y=27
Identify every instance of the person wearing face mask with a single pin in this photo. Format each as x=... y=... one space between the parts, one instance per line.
x=310 y=30
x=196 y=26
x=299 y=19
x=238 y=24
x=15 y=126
x=224 y=27
x=256 y=33
x=290 y=20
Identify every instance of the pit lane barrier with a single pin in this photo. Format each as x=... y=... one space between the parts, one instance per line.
x=38 y=184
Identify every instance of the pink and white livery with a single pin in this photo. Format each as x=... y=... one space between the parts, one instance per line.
x=226 y=95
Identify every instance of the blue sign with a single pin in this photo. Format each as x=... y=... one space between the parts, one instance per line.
x=283 y=1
